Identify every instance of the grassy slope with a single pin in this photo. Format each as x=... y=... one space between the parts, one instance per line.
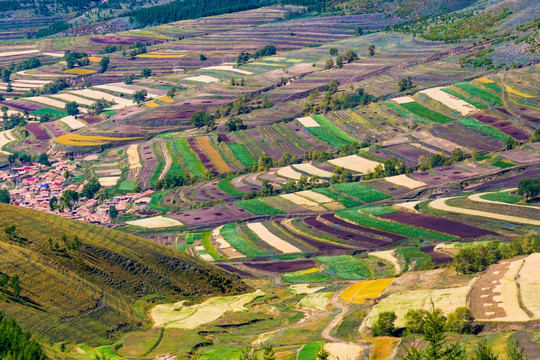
x=88 y=295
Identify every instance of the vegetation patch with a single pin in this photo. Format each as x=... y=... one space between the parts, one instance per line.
x=310 y=351
x=346 y=267
x=424 y=112
x=241 y=154
x=481 y=93
x=483 y=128
x=225 y=186
x=229 y=232
x=257 y=207
x=334 y=129
x=503 y=196
x=193 y=163
x=360 y=192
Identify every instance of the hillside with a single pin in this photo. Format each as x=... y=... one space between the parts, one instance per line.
x=88 y=292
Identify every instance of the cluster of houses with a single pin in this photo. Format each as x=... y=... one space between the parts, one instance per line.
x=33 y=186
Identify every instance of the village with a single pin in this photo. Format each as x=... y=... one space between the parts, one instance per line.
x=40 y=187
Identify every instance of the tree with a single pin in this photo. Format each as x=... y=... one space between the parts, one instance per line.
x=128 y=78
x=333 y=51
x=69 y=198
x=535 y=136
x=234 y=124
x=104 y=63
x=53 y=202
x=139 y=96
x=171 y=92
x=415 y=320
x=458 y=155
x=328 y=64
x=267 y=189
x=5 y=75
x=72 y=108
x=243 y=58
x=460 y=321
x=15 y=285
x=384 y=326
x=358 y=31
x=146 y=72
x=530 y=188
x=113 y=213
x=513 y=352
x=483 y=352
x=433 y=332
x=200 y=119
x=44 y=159
x=91 y=188
x=266 y=103
x=202 y=57
x=269 y=353
x=332 y=87
x=4 y=196
x=371 y=50
x=405 y=83
x=4 y=281
x=339 y=61
x=510 y=143
x=323 y=354
x=247 y=354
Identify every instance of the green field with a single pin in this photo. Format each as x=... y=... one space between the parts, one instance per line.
x=127 y=185
x=483 y=128
x=300 y=277
x=481 y=93
x=342 y=199
x=309 y=351
x=475 y=103
x=325 y=135
x=239 y=243
x=334 y=129
x=257 y=207
x=424 y=112
x=346 y=267
x=378 y=210
x=407 y=114
x=206 y=242
x=192 y=161
x=503 y=164
x=503 y=196
x=225 y=186
x=241 y=154
x=401 y=229
x=52 y=112
x=360 y=192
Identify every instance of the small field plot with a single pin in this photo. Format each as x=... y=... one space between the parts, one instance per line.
x=344 y=351
x=155 y=222
x=360 y=192
x=257 y=207
x=355 y=163
x=265 y=235
x=405 y=181
x=447 y=300
x=451 y=101
x=529 y=284
x=179 y=316
x=310 y=351
x=73 y=123
x=426 y=113
x=363 y=290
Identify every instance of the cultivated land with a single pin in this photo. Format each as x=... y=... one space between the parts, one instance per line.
x=343 y=175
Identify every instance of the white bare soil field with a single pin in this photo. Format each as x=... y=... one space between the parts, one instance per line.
x=312 y=170
x=69 y=97
x=265 y=235
x=134 y=160
x=344 y=351
x=409 y=205
x=73 y=123
x=529 y=284
x=289 y=173
x=47 y=101
x=227 y=68
x=155 y=222
x=299 y=200
x=314 y=196
x=97 y=95
x=202 y=78
x=405 y=181
x=403 y=100
x=440 y=204
x=355 y=163
x=508 y=298
x=108 y=181
x=5 y=138
x=453 y=102
x=308 y=121
x=19 y=52
x=178 y=316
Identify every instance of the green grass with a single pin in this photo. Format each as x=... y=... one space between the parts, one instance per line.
x=192 y=161
x=296 y=278
x=475 y=103
x=108 y=352
x=378 y=210
x=503 y=164
x=225 y=186
x=176 y=166
x=239 y=243
x=482 y=158
x=334 y=129
x=411 y=254
x=159 y=169
x=344 y=200
x=325 y=135
x=424 y=112
x=481 y=93
x=241 y=154
x=483 y=128
x=493 y=86
x=346 y=267
x=360 y=192
x=310 y=351
x=396 y=228
x=207 y=243
x=127 y=185
x=154 y=202
x=52 y=112
x=407 y=114
x=220 y=353
x=257 y=207
x=191 y=237
x=503 y=196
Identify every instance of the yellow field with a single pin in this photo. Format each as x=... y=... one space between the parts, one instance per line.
x=383 y=347
x=516 y=92
x=311 y=271
x=151 y=104
x=94 y=59
x=363 y=290
x=79 y=71
x=165 y=99
x=485 y=80
x=83 y=140
x=214 y=155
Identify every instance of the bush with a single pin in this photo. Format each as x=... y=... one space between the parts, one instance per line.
x=384 y=326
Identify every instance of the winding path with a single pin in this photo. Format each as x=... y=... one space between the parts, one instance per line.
x=335 y=321
x=168 y=160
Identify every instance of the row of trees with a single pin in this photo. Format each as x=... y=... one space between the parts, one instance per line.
x=243 y=57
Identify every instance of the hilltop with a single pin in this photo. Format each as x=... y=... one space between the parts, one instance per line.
x=82 y=282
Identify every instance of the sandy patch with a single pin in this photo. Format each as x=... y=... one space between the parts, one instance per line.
x=265 y=235
x=308 y=121
x=304 y=289
x=405 y=181
x=389 y=256
x=178 y=316
x=440 y=204
x=344 y=351
x=202 y=78
x=52 y=54
x=69 y=97
x=403 y=100
x=529 y=284
x=314 y=196
x=16 y=53
x=312 y=170
x=409 y=205
x=108 y=181
x=134 y=160
x=227 y=68
x=73 y=123
x=47 y=101
x=451 y=101
x=92 y=157
x=5 y=138
x=289 y=172
x=355 y=163
x=508 y=299
x=155 y=222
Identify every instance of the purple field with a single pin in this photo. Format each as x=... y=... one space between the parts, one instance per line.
x=504 y=126
x=437 y=257
x=323 y=248
x=361 y=241
x=438 y=224
x=462 y=136
x=342 y=223
x=234 y=270
x=38 y=131
x=18 y=105
x=283 y=266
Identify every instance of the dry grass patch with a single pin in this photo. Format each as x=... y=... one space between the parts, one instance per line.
x=155 y=222
x=405 y=181
x=344 y=351
x=453 y=102
x=308 y=121
x=529 y=284
x=202 y=78
x=88 y=140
